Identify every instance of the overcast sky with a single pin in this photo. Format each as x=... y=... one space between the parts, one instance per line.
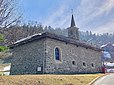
x=93 y=15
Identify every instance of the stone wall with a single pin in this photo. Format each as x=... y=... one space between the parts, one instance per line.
x=27 y=58
x=71 y=53
x=39 y=54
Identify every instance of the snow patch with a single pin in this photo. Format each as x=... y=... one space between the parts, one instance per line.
x=109 y=64
x=106 y=54
x=110 y=70
x=7 y=68
x=103 y=45
x=112 y=44
x=29 y=37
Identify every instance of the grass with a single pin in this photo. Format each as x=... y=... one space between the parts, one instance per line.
x=48 y=79
x=1 y=38
x=3 y=48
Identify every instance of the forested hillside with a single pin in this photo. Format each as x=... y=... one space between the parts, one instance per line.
x=14 y=33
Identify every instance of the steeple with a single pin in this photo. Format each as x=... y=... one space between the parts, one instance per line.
x=72 y=21
x=73 y=30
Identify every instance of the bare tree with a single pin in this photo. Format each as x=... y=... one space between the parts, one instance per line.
x=7 y=13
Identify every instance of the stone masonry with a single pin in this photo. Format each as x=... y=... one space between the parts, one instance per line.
x=40 y=53
x=69 y=53
x=27 y=57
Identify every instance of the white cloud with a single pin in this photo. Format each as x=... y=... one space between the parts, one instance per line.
x=106 y=7
x=86 y=14
x=95 y=8
x=90 y=10
x=107 y=27
x=59 y=17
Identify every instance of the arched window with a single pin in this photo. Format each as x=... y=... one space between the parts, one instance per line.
x=57 y=54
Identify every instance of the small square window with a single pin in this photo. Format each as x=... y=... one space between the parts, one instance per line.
x=84 y=64
x=92 y=65
x=73 y=63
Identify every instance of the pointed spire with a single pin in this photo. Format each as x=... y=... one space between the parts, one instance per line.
x=72 y=21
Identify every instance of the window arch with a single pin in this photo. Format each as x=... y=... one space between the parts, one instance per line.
x=57 y=54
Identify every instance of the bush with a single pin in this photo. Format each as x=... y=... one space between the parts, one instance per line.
x=1 y=74
x=3 y=48
x=1 y=38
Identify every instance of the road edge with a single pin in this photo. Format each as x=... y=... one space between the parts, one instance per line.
x=96 y=79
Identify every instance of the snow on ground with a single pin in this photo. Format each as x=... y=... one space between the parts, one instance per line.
x=110 y=70
x=108 y=64
x=5 y=69
x=106 y=54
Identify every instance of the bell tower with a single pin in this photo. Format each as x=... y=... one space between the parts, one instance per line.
x=73 y=30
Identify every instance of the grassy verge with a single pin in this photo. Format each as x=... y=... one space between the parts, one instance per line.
x=3 y=48
x=48 y=79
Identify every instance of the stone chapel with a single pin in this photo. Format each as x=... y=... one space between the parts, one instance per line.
x=47 y=53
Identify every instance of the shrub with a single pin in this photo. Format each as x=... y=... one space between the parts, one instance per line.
x=1 y=38
x=3 y=48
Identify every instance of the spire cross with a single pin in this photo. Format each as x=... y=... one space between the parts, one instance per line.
x=72 y=11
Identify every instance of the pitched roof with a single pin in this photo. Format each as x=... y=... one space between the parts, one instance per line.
x=53 y=36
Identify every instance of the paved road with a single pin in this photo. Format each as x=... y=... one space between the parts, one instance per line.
x=105 y=80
